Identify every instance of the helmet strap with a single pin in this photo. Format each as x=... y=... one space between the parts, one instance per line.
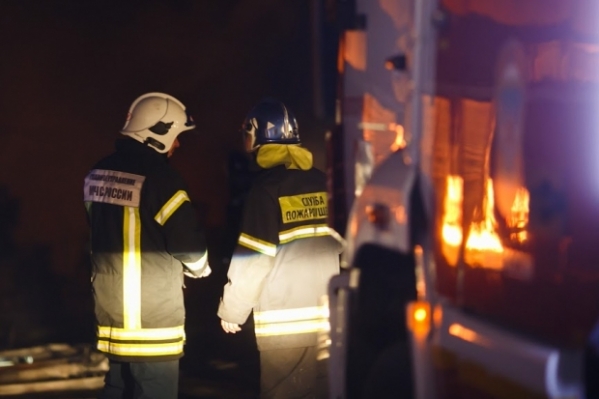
x=154 y=143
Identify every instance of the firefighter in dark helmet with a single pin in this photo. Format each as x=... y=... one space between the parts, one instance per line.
x=144 y=239
x=284 y=257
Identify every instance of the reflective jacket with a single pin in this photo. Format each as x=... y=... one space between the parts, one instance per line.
x=144 y=232
x=285 y=257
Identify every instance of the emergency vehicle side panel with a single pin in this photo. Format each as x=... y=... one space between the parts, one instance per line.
x=515 y=154
x=514 y=161
x=374 y=89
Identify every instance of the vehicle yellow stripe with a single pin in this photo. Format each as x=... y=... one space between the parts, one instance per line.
x=318 y=230
x=257 y=245
x=131 y=269
x=171 y=206
x=175 y=348
x=144 y=334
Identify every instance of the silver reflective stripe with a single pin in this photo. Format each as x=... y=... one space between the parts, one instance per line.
x=304 y=232
x=199 y=264
x=292 y=321
x=257 y=245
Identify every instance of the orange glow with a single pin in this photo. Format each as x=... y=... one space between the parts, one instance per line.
x=419 y=317
x=466 y=334
x=355 y=49
x=519 y=216
x=380 y=129
x=400 y=139
x=437 y=315
x=452 y=219
x=483 y=246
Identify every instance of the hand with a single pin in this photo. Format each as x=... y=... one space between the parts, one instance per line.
x=230 y=327
x=207 y=271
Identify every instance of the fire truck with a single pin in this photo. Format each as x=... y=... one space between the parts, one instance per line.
x=464 y=174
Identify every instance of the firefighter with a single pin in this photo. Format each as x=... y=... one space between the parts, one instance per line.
x=144 y=238
x=284 y=258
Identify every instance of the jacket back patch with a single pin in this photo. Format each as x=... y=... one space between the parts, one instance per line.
x=303 y=207
x=112 y=187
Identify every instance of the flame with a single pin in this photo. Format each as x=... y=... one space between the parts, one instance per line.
x=483 y=246
x=452 y=219
x=518 y=220
x=400 y=138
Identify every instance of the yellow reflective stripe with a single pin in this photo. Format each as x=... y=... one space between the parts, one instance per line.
x=131 y=269
x=318 y=230
x=296 y=327
x=171 y=206
x=291 y=321
x=175 y=348
x=263 y=247
x=144 y=334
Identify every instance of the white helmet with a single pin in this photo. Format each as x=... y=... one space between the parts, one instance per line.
x=156 y=119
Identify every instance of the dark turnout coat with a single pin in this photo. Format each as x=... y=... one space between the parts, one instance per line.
x=144 y=232
x=284 y=259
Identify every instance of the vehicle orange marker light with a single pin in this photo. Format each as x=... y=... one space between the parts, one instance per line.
x=419 y=317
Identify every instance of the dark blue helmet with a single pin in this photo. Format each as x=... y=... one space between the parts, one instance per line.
x=270 y=122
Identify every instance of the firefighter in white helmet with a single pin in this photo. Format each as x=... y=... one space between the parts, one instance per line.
x=144 y=238
x=284 y=258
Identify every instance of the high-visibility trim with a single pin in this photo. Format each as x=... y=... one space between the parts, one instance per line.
x=257 y=245
x=131 y=269
x=175 y=348
x=199 y=264
x=291 y=328
x=144 y=334
x=291 y=321
x=295 y=314
x=317 y=230
x=171 y=206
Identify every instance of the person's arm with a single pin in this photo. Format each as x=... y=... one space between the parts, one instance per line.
x=246 y=277
x=184 y=237
x=252 y=261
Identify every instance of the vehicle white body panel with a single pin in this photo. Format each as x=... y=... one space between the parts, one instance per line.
x=389 y=188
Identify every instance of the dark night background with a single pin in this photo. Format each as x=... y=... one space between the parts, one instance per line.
x=69 y=71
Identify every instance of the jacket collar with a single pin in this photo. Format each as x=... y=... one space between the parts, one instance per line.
x=291 y=155
x=135 y=148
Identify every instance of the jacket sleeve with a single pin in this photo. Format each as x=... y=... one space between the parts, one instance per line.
x=246 y=277
x=184 y=238
x=253 y=259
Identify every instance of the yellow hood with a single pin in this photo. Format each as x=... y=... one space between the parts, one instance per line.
x=291 y=155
